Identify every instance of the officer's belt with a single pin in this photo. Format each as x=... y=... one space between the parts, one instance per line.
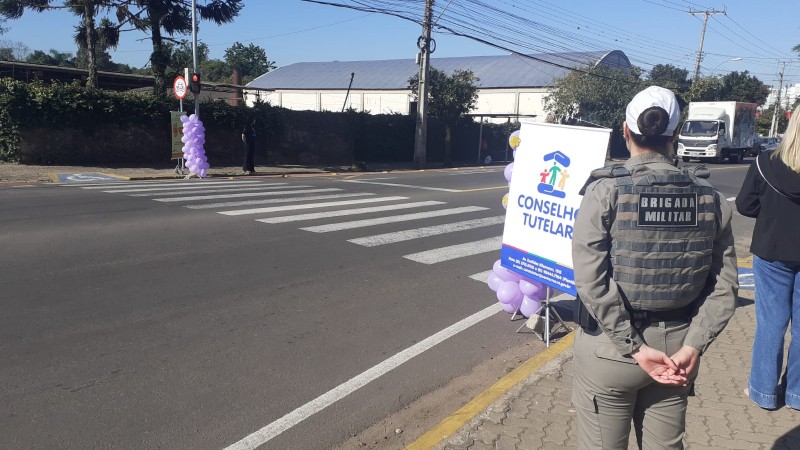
x=639 y=318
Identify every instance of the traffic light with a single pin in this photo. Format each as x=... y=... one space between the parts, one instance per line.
x=194 y=83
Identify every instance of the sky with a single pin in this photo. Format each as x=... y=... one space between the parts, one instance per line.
x=650 y=32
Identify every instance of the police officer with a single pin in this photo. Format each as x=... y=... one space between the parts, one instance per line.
x=655 y=271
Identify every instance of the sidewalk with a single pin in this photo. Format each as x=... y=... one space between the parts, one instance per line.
x=538 y=414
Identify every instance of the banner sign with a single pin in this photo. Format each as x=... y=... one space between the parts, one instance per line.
x=551 y=165
x=176 y=127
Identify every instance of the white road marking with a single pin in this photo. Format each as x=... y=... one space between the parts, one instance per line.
x=731 y=199
x=483 y=277
x=438 y=255
x=171 y=183
x=270 y=201
x=390 y=219
x=222 y=189
x=202 y=189
x=347 y=212
x=341 y=391
x=240 y=212
x=243 y=194
x=403 y=185
x=407 y=235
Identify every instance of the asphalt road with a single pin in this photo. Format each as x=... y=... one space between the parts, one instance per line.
x=159 y=319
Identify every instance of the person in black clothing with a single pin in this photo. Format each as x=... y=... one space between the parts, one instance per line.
x=771 y=194
x=249 y=140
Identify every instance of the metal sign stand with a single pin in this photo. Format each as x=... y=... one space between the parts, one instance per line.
x=549 y=309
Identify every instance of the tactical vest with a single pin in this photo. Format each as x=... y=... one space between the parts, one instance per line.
x=662 y=236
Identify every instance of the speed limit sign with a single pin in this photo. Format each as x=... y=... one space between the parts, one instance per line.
x=179 y=87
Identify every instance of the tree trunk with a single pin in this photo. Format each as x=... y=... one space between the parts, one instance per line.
x=448 y=145
x=159 y=58
x=88 y=25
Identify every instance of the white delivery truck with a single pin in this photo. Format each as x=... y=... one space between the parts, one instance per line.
x=715 y=131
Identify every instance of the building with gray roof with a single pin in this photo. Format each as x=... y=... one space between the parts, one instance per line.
x=508 y=84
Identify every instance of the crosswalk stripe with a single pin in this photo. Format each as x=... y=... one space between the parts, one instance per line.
x=171 y=183
x=243 y=194
x=241 y=212
x=348 y=212
x=222 y=189
x=483 y=277
x=270 y=201
x=198 y=187
x=390 y=219
x=457 y=251
x=407 y=235
x=402 y=185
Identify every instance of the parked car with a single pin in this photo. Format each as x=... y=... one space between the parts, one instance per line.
x=769 y=144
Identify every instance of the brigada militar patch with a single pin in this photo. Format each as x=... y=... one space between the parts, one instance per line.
x=667 y=210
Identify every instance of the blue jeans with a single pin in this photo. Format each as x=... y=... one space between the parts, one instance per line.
x=777 y=304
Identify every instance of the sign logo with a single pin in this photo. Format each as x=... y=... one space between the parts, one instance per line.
x=554 y=177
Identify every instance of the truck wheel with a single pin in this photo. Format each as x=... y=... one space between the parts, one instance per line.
x=734 y=159
x=685 y=158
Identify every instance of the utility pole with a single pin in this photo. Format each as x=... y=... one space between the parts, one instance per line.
x=702 y=38
x=194 y=55
x=773 y=129
x=424 y=44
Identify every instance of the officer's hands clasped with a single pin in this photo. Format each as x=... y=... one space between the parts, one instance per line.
x=662 y=368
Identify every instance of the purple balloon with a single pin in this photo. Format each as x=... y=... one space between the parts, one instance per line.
x=529 y=288
x=507 y=171
x=505 y=274
x=509 y=308
x=530 y=306
x=184 y=119
x=508 y=291
x=493 y=281
x=202 y=172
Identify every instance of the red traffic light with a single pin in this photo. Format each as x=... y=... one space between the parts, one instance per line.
x=194 y=83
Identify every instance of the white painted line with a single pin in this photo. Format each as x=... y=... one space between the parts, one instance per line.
x=391 y=219
x=348 y=212
x=407 y=235
x=168 y=184
x=341 y=391
x=483 y=277
x=731 y=199
x=243 y=194
x=457 y=251
x=271 y=201
x=403 y=185
x=222 y=189
x=198 y=188
x=241 y=212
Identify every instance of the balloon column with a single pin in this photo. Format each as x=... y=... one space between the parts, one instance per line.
x=194 y=138
x=514 y=291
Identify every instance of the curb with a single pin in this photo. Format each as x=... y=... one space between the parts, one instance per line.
x=456 y=421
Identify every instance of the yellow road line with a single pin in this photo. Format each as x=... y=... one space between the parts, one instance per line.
x=458 y=419
x=746 y=262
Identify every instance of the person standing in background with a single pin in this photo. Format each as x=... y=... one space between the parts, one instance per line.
x=249 y=141
x=771 y=194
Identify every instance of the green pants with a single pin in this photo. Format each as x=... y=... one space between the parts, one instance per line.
x=610 y=391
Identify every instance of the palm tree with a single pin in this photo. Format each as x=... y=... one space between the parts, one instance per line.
x=93 y=39
x=171 y=17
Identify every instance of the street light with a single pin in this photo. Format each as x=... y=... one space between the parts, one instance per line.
x=738 y=58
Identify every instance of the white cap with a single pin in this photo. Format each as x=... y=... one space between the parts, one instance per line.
x=653 y=96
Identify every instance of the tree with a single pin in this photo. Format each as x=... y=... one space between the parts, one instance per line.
x=93 y=38
x=706 y=89
x=174 y=17
x=743 y=87
x=598 y=95
x=250 y=61
x=449 y=98
x=13 y=51
x=670 y=77
x=53 y=58
x=181 y=57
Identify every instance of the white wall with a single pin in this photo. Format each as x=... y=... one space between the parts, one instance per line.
x=490 y=101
